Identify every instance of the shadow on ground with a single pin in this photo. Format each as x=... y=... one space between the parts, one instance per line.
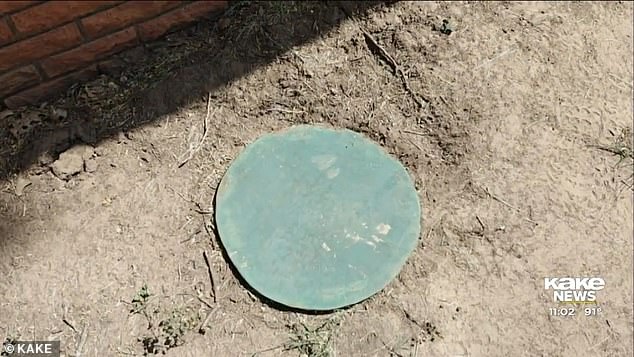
x=176 y=71
x=140 y=86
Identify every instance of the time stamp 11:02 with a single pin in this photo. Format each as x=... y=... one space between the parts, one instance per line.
x=570 y=311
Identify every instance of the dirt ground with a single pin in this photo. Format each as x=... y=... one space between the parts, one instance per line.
x=514 y=120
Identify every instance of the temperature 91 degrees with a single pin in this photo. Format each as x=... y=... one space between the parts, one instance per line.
x=592 y=311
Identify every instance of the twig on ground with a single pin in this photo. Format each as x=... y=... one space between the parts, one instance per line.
x=481 y=224
x=202 y=329
x=626 y=186
x=195 y=149
x=192 y=236
x=287 y=111
x=410 y=318
x=508 y=205
x=433 y=226
x=622 y=151
x=501 y=200
x=489 y=62
x=629 y=84
x=69 y=325
x=391 y=350
x=267 y=350
x=205 y=302
x=415 y=145
x=181 y=195
x=211 y=276
x=201 y=210
x=414 y=132
x=129 y=353
x=82 y=341
x=398 y=71
x=209 y=228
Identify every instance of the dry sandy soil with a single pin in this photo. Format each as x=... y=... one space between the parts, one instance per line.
x=516 y=128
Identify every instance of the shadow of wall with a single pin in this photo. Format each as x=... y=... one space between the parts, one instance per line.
x=145 y=83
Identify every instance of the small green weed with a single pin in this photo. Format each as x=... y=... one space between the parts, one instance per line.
x=312 y=342
x=166 y=327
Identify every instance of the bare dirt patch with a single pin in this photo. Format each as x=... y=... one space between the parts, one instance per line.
x=514 y=120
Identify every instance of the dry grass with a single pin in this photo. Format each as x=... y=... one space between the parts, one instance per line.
x=313 y=341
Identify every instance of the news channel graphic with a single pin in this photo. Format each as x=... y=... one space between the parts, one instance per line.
x=575 y=296
x=13 y=348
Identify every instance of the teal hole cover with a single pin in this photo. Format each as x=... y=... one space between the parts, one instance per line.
x=316 y=218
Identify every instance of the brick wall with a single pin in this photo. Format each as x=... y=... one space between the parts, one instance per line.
x=45 y=46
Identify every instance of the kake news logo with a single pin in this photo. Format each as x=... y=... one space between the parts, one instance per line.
x=574 y=290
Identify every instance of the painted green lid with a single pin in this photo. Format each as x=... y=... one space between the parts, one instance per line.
x=316 y=218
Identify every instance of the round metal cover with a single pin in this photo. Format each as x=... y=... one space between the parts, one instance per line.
x=317 y=219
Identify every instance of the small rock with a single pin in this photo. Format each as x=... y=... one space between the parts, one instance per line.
x=87 y=152
x=145 y=157
x=121 y=138
x=84 y=131
x=112 y=67
x=67 y=165
x=6 y=113
x=71 y=162
x=99 y=151
x=20 y=184
x=90 y=165
x=45 y=158
x=446 y=28
x=285 y=83
x=130 y=135
x=406 y=40
x=58 y=114
x=223 y=23
x=134 y=55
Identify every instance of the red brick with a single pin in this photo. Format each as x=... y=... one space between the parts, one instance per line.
x=124 y=15
x=88 y=53
x=18 y=79
x=53 y=13
x=49 y=89
x=155 y=28
x=6 y=35
x=39 y=46
x=10 y=6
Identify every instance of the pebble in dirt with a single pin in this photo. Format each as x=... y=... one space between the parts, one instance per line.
x=316 y=218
